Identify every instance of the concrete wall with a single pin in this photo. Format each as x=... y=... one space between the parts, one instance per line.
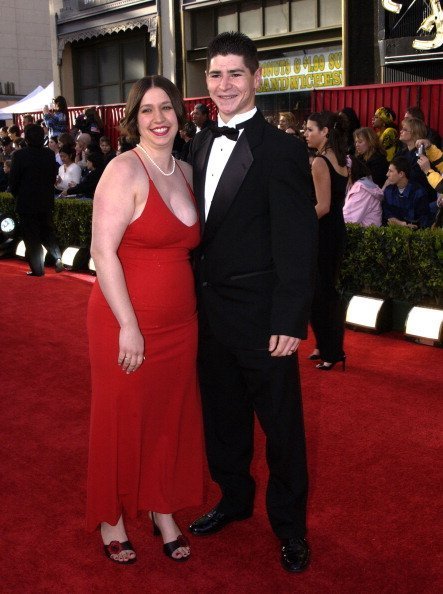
x=25 y=44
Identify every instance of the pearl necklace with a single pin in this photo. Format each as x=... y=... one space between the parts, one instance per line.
x=155 y=164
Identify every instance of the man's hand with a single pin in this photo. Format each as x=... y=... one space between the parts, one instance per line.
x=282 y=346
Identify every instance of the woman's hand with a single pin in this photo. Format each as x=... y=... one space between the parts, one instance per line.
x=424 y=141
x=131 y=348
x=424 y=163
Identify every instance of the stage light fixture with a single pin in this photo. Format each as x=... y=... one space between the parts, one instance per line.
x=76 y=258
x=91 y=266
x=425 y=325
x=8 y=235
x=368 y=313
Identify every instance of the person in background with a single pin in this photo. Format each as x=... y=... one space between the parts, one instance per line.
x=4 y=132
x=405 y=203
x=287 y=123
x=352 y=124
x=271 y=120
x=69 y=173
x=65 y=139
x=363 y=197
x=54 y=146
x=15 y=135
x=383 y=123
x=41 y=122
x=254 y=278
x=90 y=123
x=88 y=183
x=27 y=119
x=200 y=117
x=369 y=150
x=81 y=144
x=124 y=144
x=7 y=146
x=431 y=163
x=32 y=178
x=187 y=133
x=106 y=149
x=326 y=132
x=432 y=135
x=57 y=119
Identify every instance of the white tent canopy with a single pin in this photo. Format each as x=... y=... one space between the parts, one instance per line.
x=32 y=102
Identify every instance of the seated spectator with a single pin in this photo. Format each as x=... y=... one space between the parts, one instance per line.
x=363 y=197
x=369 y=150
x=123 y=145
x=405 y=203
x=200 y=117
x=412 y=130
x=287 y=123
x=7 y=147
x=383 y=123
x=90 y=123
x=28 y=119
x=431 y=163
x=187 y=133
x=86 y=187
x=432 y=135
x=81 y=144
x=4 y=132
x=271 y=120
x=352 y=124
x=57 y=119
x=53 y=145
x=15 y=135
x=107 y=150
x=64 y=139
x=69 y=173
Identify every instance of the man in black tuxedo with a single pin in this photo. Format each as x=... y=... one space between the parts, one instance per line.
x=33 y=173
x=255 y=269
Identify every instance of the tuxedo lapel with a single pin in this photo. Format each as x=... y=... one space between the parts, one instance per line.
x=232 y=177
x=200 y=163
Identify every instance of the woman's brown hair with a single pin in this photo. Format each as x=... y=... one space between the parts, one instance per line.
x=128 y=125
x=372 y=140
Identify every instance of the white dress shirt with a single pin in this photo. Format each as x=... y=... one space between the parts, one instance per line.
x=221 y=150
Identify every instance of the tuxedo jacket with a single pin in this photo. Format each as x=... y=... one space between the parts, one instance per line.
x=255 y=266
x=32 y=178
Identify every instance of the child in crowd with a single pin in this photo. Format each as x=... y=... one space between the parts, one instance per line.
x=405 y=203
x=106 y=149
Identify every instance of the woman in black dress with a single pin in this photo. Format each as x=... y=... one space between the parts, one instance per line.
x=326 y=132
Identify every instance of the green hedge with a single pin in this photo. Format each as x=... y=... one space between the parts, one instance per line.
x=387 y=261
x=72 y=219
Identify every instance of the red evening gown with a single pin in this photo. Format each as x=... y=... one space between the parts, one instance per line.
x=146 y=444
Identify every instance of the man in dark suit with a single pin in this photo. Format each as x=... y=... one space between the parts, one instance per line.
x=32 y=178
x=255 y=269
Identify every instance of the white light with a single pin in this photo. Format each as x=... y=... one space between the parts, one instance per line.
x=391 y=6
x=91 y=265
x=20 y=250
x=424 y=322
x=363 y=311
x=7 y=225
x=69 y=255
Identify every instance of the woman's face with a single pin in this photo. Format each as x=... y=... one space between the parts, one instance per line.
x=406 y=132
x=377 y=122
x=315 y=137
x=361 y=145
x=53 y=145
x=105 y=147
x=283 y=123
x=156 y=121
x=65 y=158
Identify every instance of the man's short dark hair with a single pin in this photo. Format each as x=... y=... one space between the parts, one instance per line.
x=202 y=108
x=34 y=135
x=14 y=130
x=402 y=165
x=416 y=112
x=236 y=43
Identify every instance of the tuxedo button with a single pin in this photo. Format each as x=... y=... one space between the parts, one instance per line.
x=206 y=284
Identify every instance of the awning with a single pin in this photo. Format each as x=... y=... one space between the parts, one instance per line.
x=31 y=103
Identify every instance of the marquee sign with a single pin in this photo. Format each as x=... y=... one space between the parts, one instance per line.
x=302 y=71
x=431 y=25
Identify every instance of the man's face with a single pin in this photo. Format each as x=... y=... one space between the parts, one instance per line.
x=231 y=85
x=198 y=118
x=393 y=175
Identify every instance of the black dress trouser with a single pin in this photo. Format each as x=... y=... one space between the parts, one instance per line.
x=38 y=230
x=235 y=383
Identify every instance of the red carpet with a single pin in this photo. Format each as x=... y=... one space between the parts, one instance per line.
x=373 y=445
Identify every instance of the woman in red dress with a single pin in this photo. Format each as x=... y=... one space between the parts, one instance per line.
x=146 y=450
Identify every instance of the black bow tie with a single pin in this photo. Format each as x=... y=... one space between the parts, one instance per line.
x=231 y=133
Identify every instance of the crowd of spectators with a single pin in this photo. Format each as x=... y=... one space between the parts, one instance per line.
x=390 y=182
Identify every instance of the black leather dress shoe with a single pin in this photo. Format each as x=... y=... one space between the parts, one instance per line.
x=59 y=266
x=214 y=521
x=294 y=554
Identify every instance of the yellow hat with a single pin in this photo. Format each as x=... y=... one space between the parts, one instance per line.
x=384 y=115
